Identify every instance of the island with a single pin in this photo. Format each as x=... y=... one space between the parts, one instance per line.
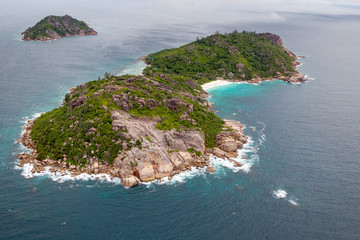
x=245 y=56
x=158 y=124
x=55 y=27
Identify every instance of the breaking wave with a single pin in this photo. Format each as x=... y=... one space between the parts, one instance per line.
x=280 y=193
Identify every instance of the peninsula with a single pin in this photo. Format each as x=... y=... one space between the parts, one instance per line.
x=55 y=27
x=155 y=125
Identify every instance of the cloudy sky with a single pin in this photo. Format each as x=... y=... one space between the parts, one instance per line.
x=172 y=11
x=306 y=6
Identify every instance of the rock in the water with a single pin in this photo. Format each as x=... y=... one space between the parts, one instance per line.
x=129 y=181
x=146 y=173
x=228 y=145
x=210 y=168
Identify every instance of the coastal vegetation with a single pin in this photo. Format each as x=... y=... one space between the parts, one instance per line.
x=82 y=128
x=54 y=27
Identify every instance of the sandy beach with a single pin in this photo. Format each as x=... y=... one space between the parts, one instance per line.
x=215 y=83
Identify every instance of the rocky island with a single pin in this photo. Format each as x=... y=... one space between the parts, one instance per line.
x=155 y=125
x=55 y=27
x=245 y=56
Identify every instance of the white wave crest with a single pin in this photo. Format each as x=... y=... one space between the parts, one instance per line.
x=280 y=193
x=262 y=137
x=62 y=177
x=247 y=156
x=293 y=202
x=179 y=178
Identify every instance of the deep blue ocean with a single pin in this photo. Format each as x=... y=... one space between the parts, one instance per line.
x=303 y=175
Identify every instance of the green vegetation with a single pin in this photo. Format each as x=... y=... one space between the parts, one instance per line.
x=82 y=129
x=170 y=93
x=192 y=150
x=76 y=134
x=242 y=56
x=51 y=26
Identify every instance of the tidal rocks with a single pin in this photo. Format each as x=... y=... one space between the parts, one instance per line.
x=130 y=181
x=210 y=168
x=231 y=139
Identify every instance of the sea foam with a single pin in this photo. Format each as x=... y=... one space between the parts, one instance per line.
x=293 y=202
x=64 y=176
x=280 y=193
x=246 y=156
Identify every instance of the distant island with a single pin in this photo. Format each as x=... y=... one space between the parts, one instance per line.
x=155 y=125
x=55 y=27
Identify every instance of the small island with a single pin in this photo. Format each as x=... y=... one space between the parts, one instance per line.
x=155 y=125
x=55 y=27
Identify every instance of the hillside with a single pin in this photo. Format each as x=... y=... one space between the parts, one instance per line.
x=234 y=56
x=133 y=127
x=55 y=27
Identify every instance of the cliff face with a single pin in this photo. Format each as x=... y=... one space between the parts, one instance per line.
x=273 y=37
x=55 y=27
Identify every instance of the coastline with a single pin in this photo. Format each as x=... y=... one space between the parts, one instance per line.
x=215 y=83
x=47 y=39
x=227 y=148
x=293 y=78
x=60 y=169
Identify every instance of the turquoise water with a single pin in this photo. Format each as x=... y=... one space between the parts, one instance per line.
x=302 y=176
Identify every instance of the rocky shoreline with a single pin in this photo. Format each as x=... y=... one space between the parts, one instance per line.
x=138 y=151
x=161 y=162
x=55 y=37
x=294 y=77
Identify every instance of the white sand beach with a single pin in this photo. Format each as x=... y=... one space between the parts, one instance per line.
x=215 y=83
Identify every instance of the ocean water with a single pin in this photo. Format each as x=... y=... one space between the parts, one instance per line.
x=300 y=178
